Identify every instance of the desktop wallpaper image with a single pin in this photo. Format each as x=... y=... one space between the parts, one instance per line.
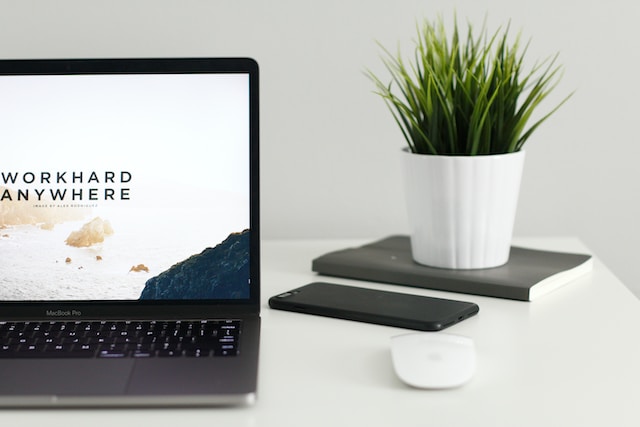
x=124 y=188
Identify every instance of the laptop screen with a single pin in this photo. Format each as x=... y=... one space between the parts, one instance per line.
x=125 y=181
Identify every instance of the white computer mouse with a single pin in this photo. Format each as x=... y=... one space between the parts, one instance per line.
x=433 y=360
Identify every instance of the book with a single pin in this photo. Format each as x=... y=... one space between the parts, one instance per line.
x=528 y=275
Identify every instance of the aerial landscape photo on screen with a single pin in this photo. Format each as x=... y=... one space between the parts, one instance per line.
x=107 y=193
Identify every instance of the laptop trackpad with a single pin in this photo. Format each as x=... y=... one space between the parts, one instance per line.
x=160 y=376
x=70 y=377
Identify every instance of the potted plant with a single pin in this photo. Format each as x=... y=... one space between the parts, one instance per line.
x=463 y=106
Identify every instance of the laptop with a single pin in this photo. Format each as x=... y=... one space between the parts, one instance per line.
x=129 y=232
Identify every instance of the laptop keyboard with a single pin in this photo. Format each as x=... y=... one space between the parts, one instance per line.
x=119 y=339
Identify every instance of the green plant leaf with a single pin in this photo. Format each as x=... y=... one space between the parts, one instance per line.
x=466 y=96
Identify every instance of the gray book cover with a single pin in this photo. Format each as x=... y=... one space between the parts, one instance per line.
x=528 y=274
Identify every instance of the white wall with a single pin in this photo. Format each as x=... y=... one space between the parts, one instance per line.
x=329 y=146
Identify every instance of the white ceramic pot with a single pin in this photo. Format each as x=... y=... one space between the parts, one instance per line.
x=462 y=208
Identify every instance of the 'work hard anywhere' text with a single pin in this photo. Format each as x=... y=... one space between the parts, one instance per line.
x=66 y=186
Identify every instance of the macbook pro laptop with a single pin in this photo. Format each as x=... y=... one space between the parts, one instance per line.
x=129 y=240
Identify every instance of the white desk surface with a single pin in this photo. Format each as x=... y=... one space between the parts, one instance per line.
x=570 y=358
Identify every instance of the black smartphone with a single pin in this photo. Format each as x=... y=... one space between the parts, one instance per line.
x=374 y=306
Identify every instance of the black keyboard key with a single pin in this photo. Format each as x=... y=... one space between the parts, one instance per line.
x=143 y=353
x=114 y=354
x=51 y=355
